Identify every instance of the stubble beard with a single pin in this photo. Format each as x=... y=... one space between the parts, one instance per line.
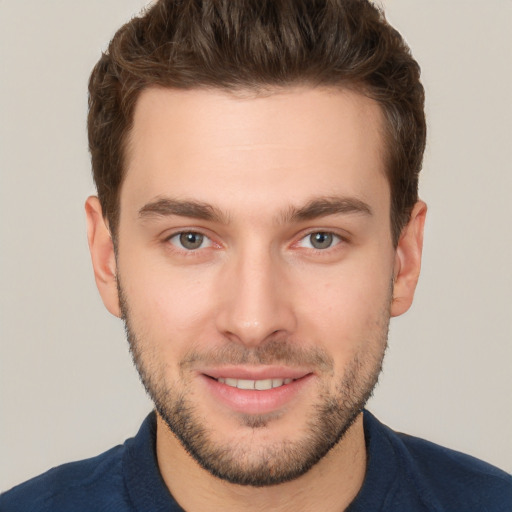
x=275 y=462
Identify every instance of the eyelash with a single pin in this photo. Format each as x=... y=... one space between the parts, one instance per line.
x=336 y=240
x=185 y=250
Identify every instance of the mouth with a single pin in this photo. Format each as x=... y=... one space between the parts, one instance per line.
x=257 y=391
x=260 y=385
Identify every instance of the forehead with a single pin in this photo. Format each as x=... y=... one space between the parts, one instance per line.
x=244 y=148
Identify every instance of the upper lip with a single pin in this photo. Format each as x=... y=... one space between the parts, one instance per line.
x=255 y=372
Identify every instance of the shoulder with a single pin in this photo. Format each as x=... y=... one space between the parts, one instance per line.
x=455 y=474
x=95 y=483
x=444 y=479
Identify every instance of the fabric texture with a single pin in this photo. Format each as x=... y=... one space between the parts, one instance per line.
x=404 y=474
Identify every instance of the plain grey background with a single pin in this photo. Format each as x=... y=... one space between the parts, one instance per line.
x=67 y=386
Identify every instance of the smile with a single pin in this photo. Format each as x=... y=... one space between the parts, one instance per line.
x=256 y=391
x=260 y=385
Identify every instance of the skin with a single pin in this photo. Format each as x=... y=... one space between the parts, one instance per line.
x=260 y=162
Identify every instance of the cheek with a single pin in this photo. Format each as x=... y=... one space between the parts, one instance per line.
x=346 y=310
x=168 y=305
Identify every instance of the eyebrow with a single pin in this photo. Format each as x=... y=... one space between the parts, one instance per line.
x=165 y=207
x=318 y=207
x=324 y=206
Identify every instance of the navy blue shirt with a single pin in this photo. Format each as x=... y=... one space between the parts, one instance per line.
x=404 y=474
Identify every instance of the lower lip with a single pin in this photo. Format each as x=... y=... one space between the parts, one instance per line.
x=249 y=401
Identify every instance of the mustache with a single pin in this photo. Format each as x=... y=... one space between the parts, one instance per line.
x=269 y=353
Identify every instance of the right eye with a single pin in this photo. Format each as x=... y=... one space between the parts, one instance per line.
x=320 y=240
x=190 y=240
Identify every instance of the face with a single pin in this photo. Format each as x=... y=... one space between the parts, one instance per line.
x=255 y=271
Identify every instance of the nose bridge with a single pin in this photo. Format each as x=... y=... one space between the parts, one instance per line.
x=256 y=305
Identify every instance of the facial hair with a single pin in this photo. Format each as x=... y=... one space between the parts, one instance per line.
x=235 y=460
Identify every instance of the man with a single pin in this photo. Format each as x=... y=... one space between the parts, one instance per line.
x=257 y=224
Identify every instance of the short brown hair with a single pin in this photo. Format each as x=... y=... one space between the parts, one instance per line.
x=259 y=44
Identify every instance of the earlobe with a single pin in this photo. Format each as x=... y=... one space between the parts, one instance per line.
x=103 y=257
x=408 y=260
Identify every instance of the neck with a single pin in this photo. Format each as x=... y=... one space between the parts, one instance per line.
x=330 y=485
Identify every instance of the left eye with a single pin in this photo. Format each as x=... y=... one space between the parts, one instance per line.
x=320 y=240
x=190 y=240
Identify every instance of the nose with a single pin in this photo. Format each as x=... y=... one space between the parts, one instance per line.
x=256 y=302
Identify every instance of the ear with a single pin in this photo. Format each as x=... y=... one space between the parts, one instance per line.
x=102 y=255
x=408 y=260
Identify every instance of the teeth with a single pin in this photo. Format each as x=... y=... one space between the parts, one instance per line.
x=261 y=385
x=245 y=384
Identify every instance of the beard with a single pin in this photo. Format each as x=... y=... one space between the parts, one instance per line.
x=239 y=461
